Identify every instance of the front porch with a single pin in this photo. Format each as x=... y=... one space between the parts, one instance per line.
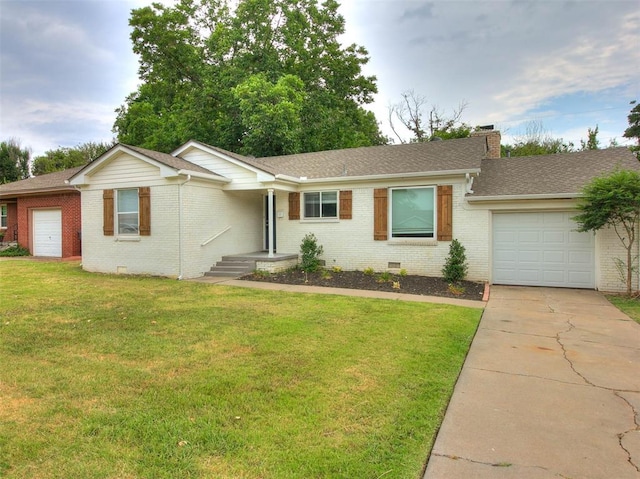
x=240 y=264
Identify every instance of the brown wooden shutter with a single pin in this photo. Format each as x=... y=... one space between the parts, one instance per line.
x=144 y=211
x=445 y=213
x=294 y=206
x=107 y=212
x=345 y=205
x=380 y=214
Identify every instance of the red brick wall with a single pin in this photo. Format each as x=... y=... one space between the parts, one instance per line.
x=12 y=221
x=69 y=203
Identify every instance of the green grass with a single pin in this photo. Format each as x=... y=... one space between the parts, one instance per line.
x=629 y=306
x=133 y=377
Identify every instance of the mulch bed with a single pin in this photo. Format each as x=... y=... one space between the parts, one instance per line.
x=409 y=284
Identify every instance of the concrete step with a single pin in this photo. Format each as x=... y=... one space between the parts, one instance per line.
x=231 y=268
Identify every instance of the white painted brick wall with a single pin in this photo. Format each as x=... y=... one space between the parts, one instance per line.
x=350 y=244
x=608 y=248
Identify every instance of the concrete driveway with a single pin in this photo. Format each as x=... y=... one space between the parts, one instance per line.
x=550 y=389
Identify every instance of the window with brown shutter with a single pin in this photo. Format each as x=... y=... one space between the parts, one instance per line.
x=345 y=205
x=380 y=214
x=107 y=212
x=445 y=213
x=144 y=199
x=294 y=206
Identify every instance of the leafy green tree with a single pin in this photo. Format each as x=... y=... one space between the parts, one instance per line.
x=205 y=65
x=614 y=201
x=15 y=161
x=536 y=141
x=271 y=115
x=63 y=158
x=633 y=132
x=592 y=142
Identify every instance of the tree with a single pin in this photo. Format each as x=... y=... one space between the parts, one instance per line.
x=15 y=161
x=613 y=201
x=536 y=141
x=410 y=112
x=592 y=142
x=633 y=132
x=455 y=267
x=205 y=66
x=64 y=157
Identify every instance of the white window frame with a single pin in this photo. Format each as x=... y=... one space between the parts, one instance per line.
x=4 y=210
x=118 y=213
x=401 y=237
x=322 y=203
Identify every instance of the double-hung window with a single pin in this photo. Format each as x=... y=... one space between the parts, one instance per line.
x=321 y=204
x=127 y=214
x=413 y=212
x=3 y=216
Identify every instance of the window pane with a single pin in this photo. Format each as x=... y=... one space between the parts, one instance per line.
x=128 y=211
x=329 y=204
x=412 y=212
x=312 y=205
x=128 y=201
x=3 y=216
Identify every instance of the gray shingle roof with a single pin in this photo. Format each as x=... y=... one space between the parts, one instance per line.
x=549 y=174
x=435 y=156
x=43 y=183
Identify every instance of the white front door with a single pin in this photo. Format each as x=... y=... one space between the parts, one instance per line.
x=47 y=233
x=542 y=249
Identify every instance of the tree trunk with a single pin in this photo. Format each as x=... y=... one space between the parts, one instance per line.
x=629 y=269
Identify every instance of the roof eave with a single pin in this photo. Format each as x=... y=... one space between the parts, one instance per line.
x=37 y=191
x=540 y=196
x=204 y=176
x=360 y=178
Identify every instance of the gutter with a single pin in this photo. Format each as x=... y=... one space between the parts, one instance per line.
x=361 y=178
x=544 y=196
x=205 y=176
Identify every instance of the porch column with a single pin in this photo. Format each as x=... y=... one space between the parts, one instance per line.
x=271 y=219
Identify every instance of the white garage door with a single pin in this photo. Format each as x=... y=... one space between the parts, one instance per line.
x=47 y=233
x=542 y=249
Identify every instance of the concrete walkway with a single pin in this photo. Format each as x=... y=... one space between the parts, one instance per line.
x=550 y=389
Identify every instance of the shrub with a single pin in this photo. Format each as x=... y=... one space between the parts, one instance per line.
x=368 y=271
x=15 y=251
x=310 y=251
x=455 y=266
x=403 y=272
x=385 y=277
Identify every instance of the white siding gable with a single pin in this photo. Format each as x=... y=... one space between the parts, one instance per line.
x=122 y=170
x=241 y=176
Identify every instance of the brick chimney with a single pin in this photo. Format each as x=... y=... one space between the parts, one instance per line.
x=493 y=140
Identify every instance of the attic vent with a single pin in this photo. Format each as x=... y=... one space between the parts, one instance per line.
x=393 y=265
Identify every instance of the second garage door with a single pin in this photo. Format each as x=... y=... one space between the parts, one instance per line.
x=47 y=233
x=542 y=249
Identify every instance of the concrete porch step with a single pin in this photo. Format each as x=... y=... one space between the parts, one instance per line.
x=232 y=268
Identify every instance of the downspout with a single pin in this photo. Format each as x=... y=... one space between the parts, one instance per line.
x=180 y=248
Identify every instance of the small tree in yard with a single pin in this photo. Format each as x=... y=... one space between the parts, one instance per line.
x=614 y=201
x=455 y=267
x=310 y=251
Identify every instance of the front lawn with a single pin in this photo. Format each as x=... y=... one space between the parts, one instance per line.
x=629 y=306
x=133 y=377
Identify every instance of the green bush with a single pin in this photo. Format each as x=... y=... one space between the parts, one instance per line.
x=15 y=251
x=310 y=251
x=455 y=266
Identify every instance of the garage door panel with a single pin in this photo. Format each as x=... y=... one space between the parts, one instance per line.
x=542 y=249
x=47 y=233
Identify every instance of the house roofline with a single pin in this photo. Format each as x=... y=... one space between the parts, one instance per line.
x=347 y=179
x=541 y=196
x=37 y=191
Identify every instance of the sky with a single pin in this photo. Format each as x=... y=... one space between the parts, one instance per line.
x=560 y=66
